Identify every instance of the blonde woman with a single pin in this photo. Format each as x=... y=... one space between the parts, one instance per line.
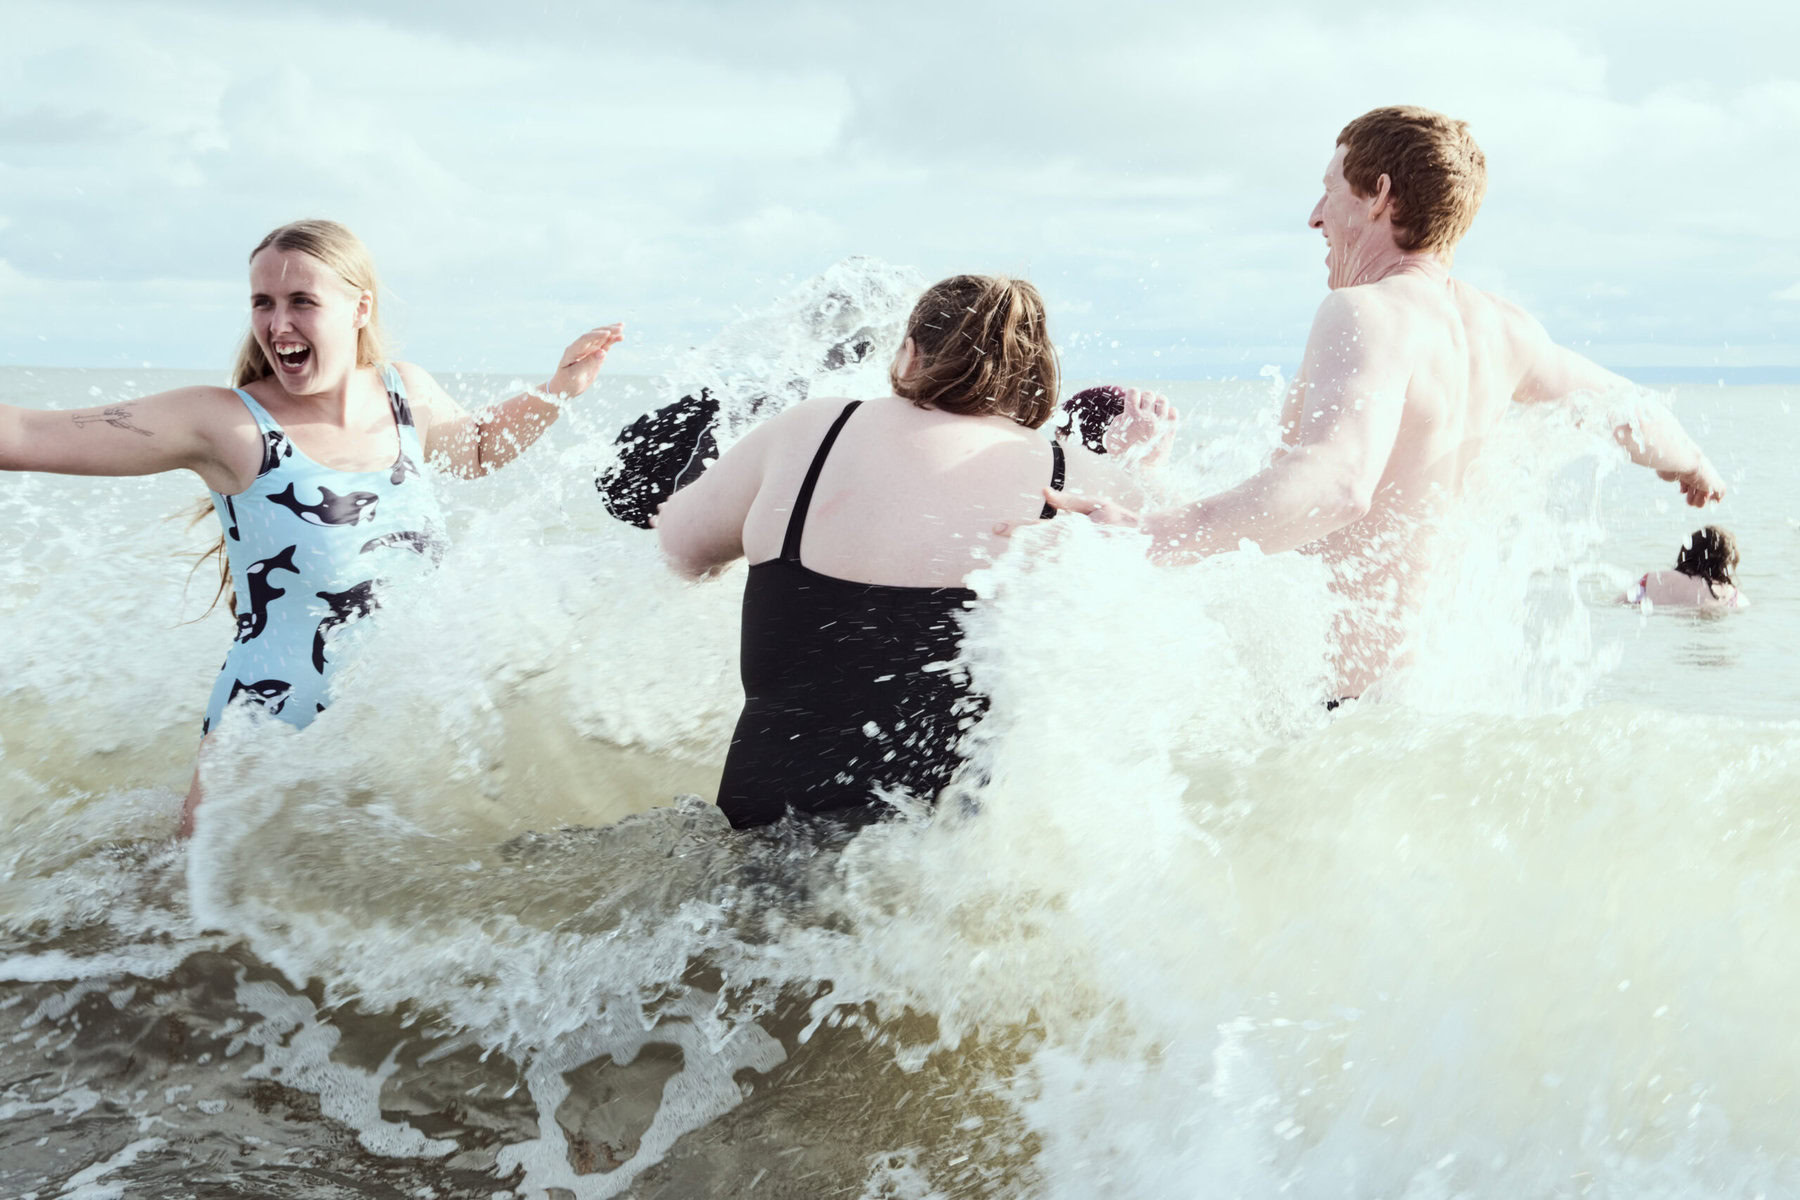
x=312 y=459
x=862 y=521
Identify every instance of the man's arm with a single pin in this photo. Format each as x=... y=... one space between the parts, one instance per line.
x=1346 y=422
x=476 y=444
x=1290 y=414
x=1651 y=435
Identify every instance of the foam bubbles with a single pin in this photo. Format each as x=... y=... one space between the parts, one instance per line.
x=1176 y=928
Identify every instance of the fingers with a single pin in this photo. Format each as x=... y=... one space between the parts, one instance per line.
x=1698 y=489
x=1070 y=502
x=1006 y=529
x=604 y=339
x=595 y=342
x=1061 y=501
x=1149 y=406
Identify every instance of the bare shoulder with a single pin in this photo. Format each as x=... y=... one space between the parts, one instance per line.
x=420 y=385
x=203 y=407
x=806 y=420
x=432 y=407
x=1366 y=302
x=788 y=434
x=1359 y=326
x=820 y=408
x=1511 y=321
x=198 y=393
x=1347 y=314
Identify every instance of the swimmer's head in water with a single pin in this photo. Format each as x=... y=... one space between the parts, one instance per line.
x=1711 y=554
x=340 y=307
x=979 y=345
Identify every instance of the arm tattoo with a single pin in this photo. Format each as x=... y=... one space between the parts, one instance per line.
x=118 y=416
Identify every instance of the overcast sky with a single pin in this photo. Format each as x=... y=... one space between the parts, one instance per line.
x=524 y=170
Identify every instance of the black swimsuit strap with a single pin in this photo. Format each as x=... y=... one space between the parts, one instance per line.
x=790 y=545
x=1056 y=480
x=396 y=394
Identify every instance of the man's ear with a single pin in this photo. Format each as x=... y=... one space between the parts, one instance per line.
x=1383 y=200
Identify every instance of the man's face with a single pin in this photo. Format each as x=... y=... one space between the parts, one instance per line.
x=1342 y=218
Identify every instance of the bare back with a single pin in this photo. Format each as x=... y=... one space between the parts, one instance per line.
x=1461 y=348
x=1462 y=356
x=908 y=496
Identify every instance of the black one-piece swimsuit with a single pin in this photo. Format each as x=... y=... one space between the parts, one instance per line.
x=846 y=685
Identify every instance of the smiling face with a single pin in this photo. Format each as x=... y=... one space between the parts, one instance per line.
x=1353 y=225
x=305 y=318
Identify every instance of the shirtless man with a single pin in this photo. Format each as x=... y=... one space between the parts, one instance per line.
x=1406 y=371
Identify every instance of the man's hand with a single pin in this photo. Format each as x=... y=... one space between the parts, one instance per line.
x=1100 y=512
x=1698 y=485
x=581 y=361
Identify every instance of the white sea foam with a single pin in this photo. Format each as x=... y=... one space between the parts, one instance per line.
x=1508 y=932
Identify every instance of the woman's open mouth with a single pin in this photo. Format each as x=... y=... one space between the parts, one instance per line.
x=292 y=356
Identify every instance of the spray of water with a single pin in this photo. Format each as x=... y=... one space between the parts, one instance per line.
x=1176 y=929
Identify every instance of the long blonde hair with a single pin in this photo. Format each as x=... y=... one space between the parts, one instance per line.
x=336 y=247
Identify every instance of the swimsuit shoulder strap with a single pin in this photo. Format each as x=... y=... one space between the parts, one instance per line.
x=396 y=390
x=790 y=545
x=259 y=414
x=1057 y=470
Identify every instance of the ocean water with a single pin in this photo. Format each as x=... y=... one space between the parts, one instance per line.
x=1523 y=928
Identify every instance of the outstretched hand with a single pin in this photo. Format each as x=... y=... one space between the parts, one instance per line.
x=1101 y=512
x=581 y=361
x=1699 y=485
x=1144 y=428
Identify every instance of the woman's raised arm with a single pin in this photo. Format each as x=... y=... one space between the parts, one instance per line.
x=476 y=444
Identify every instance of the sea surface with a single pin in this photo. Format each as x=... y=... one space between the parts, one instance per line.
x=1523 y=927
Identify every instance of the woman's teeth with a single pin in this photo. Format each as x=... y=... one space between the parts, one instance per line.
x=293 y=356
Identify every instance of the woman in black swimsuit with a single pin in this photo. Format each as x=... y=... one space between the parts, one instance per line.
x=862 y=520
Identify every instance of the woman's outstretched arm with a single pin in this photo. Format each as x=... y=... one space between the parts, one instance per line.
x=475 y=444
x=165 y=432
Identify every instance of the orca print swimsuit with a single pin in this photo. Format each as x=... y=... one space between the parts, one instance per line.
x=309 y=546
x=847 y=686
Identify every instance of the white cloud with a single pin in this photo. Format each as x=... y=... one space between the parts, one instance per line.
x=1787 y=293
x=515 y=167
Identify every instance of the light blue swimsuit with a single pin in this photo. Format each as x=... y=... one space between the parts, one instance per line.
x=309 y=548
